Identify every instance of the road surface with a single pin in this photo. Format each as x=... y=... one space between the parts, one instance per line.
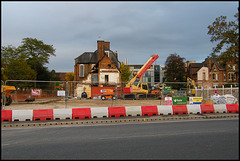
x=184 y=139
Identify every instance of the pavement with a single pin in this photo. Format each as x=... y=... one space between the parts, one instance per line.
x=117 y=120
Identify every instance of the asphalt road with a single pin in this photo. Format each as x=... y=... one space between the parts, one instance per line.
x=186 y=139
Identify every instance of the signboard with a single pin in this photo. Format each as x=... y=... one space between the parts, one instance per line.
x=61 y=93
x=35 y=92
x=168 y=100
x=195 y=100
x=179 y=100
x=167 y=88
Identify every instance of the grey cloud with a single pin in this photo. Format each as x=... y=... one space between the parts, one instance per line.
x=135 y=29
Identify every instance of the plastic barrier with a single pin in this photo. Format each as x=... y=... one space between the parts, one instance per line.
x=116 y=111
x=59 y=114
x=207 y=108
x=220 y=108
x=81 y=113
x=179 y=109
x=149 y=110
x=43 y=114
x=133 y=111
x=165 y=110
x=99 y=112
x=194 y=109
x=6 y=115
x=232 y=108
x=22 y=115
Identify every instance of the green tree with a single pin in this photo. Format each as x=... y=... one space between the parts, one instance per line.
x=9 y=53
x=227 y=36
x=175 y=70
x=20 y=70
x=37 y=54
x=34 y=52
x=125 y=72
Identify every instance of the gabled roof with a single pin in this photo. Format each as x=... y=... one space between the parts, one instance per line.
x=92 y=58
x=87 y=58
x=197 y=70
x=196 y=65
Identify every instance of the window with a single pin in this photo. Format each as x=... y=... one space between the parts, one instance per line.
x=144 y=86
x=234 y=68
x=81 y=70
x=106 y=79
x=204 y=76
x=230 y=75
x=215 y=76
x=225 y=77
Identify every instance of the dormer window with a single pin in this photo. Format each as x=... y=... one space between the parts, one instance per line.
x=215 y=69
x=107 y=52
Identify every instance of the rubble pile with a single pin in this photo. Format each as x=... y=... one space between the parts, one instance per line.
x=224 y=99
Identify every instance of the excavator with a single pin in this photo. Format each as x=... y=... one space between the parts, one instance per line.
x=138 y=89
x=190 y=87
x=7 y=90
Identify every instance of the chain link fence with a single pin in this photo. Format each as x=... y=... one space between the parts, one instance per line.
x=30 y=94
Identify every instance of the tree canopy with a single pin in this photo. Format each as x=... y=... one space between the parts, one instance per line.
x=227 y=36
x=175 y=70
x=69 y=76
x=125 y=72
x=33 y=54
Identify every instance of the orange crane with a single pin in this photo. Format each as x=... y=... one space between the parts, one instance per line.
x=137 y=89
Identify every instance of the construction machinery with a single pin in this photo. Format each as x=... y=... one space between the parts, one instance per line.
x=5 y=94
x=190 y=87
x=137 y=89
x=108 y=94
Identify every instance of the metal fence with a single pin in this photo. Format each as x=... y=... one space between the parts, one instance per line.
x=30 y=94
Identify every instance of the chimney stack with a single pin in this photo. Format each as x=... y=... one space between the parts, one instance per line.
x=100 y=48
x=107 y=44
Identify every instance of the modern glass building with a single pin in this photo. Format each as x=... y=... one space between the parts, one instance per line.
x=152 y=76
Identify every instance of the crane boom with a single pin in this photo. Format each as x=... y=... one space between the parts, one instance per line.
x=144 y=68
x=137 y=89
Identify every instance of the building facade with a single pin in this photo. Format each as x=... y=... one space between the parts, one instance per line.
x=96 y=69
x=211 y=73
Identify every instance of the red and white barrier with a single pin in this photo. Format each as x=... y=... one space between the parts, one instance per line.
x=22 y=115
x=165 y=110
x=98 y=112
x=133 y=111
x=194 y=109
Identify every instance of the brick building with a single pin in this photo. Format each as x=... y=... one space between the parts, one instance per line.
x=99 y=68
x=211 y=73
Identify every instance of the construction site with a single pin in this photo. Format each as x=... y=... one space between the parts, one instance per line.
x=97 y=83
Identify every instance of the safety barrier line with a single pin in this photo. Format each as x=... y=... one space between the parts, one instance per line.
x=88 y=113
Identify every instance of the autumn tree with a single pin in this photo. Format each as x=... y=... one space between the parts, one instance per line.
x=125 y=72
x=175 y=70
x=226 y=34
x=69 y=76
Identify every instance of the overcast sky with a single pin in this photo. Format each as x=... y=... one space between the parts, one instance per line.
x=136 y=30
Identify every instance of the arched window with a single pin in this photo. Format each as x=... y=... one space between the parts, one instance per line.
x=81 y=70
